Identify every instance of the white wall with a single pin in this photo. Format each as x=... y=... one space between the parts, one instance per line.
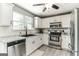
x=8 y=31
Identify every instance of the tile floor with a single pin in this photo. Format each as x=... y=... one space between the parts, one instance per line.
x=47 y=51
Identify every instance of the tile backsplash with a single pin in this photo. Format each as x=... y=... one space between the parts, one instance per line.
x=8 y=31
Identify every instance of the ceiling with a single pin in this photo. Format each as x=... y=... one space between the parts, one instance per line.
x=37 y=10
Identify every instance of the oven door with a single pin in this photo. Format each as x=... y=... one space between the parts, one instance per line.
x=54 y=38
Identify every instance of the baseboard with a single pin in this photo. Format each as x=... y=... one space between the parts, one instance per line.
x=67 y=49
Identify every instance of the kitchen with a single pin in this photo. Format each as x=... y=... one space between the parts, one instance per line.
x=24 y=33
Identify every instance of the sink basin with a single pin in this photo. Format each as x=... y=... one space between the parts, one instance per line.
x=28 y=35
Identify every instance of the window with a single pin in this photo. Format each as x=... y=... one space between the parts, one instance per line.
x=18 y=21
x=21 y=22
x=29 y=22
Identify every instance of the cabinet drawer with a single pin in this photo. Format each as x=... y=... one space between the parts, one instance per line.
x=65 y=42
x=29 y=46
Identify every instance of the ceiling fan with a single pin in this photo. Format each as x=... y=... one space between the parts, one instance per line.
x=45 y=4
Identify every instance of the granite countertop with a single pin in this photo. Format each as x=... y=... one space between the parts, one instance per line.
x=11 y=39
x=15 y=38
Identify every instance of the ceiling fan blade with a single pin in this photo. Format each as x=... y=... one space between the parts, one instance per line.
x=44 y=9
x=39 y=4
x=55 y=6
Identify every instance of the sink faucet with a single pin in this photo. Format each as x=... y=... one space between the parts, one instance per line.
x=20 y=34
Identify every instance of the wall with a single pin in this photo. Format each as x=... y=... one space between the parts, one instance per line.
x=8 y=31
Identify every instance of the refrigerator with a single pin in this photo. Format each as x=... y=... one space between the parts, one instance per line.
x=74 y=32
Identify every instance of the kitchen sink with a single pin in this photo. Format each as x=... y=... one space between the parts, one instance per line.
x=28 y=35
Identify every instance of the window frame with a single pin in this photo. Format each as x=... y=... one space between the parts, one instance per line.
x=25 y=26
x=19 y=21
x=32 y=24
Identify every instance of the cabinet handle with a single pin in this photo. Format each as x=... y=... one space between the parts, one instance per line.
x=33 y=42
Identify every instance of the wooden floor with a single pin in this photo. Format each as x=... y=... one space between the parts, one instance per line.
x=52 y=52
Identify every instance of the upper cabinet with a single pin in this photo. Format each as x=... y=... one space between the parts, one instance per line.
x=5 y=14
x=66 y=20
x=37 y=22
x=46 y=21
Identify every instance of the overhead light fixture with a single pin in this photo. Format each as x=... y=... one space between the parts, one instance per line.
x=48 y=5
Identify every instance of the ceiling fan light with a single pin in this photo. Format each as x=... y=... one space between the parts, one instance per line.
x=48 y=5
x=55 y=6
x=44 y=9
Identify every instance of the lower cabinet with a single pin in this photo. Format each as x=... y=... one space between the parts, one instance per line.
x=32 y=43
x=66 y=42
x=45 y=38
x=11 y=51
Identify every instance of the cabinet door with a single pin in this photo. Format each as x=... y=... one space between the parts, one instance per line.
x=32 y=44
x=11 y=51
x=45 y=39
x=66 y=42
x=56 y=19
x=38 y=41
x=5 y=14
x=3 y=47
x=45 y=23
x=66 y=20
x=29 y=45
x=37 y=22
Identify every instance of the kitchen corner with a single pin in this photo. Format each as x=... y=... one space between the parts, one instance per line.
x=41 y=33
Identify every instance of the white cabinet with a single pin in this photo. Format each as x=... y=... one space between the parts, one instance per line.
x=46 y=21
x=37 y=22
x=5 y=14
x=66 y=42
x=11 y=51
x=32 y=43
x=55 y=19
x=45 y=38
x=3 y=47
x=66 y=20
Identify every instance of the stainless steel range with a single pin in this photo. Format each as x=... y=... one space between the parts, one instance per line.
x=55 y=35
